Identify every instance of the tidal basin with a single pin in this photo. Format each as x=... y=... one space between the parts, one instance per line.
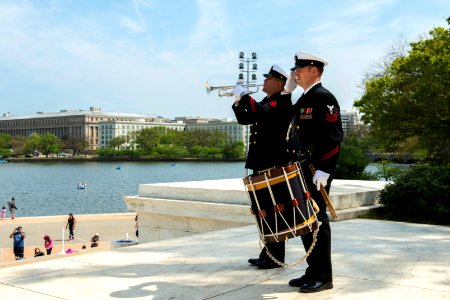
x=45 y=189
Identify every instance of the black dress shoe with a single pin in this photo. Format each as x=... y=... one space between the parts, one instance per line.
x=298 y=282
x=264 y=264
x=253 y=261
x=315 y=286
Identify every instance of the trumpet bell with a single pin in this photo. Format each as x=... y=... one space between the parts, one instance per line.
x=227 y=90
x=208 y=88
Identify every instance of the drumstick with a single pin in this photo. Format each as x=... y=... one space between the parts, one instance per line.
x=324 y=195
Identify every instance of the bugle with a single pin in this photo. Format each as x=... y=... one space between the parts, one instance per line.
x=227 y=90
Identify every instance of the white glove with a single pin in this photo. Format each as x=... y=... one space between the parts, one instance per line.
x=320 y=178
x=239 y=91
x=291 y=84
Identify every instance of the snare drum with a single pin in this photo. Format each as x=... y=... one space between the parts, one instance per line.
x=281 y=203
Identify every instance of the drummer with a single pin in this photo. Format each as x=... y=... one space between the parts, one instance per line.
x=269 y=120
x=317 y=129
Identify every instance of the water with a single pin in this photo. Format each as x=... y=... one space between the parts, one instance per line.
x=374 y=167
x=43 y=189
x=371 y=168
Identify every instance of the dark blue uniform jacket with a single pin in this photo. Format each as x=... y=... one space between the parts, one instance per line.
x=269 y=120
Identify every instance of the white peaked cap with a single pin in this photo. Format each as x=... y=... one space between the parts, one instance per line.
x=277 y=72
x=303 y=59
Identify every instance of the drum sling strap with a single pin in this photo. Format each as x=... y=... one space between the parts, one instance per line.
x=278 y=209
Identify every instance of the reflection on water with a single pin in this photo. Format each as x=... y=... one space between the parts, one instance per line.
x=43 y=189
x=374 y=167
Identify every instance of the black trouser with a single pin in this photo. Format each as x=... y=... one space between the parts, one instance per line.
x=18 y=252
x=319 y=261
x=276 y=249
x=71 y=235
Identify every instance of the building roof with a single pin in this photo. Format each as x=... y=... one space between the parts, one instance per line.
x=65 y=113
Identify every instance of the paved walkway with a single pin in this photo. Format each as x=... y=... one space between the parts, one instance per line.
x=371 y=260
x=109 y=226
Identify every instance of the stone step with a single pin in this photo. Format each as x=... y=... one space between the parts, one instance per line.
x=354 y=212
x=343 y=194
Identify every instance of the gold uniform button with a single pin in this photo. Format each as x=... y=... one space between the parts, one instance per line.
x=298 y=127
x=254 y=142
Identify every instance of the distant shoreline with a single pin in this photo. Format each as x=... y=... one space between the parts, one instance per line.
x=115 y=159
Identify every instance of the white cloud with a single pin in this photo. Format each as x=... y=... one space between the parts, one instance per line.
x=156 y=56
x=365 y=9
x=132 y=25
x=211 y=30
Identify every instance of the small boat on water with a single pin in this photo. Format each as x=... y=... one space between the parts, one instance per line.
x=2 y=161
x=119 y=168
x=81 y=185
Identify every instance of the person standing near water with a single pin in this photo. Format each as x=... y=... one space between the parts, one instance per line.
x=71 y=225
x=12 y=207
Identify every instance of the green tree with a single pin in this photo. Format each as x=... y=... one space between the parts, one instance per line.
x=148 y=138
x=117 y=142
x=49 y=143
x=172 y=137
x=167 y=151
x=18 y=144
x=5 y=144
x=352 y=159
x=5 y=140
x=33 y=142
x=410 y=98
x=213 y=152
x=203 y=138
x=217 y=139
x=105 y=152
x=234 y=150
x=76 y=144
x=198 y=151
x=189 y=139
x=387 y=172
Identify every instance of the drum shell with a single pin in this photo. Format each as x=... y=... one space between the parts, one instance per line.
x=291 y=221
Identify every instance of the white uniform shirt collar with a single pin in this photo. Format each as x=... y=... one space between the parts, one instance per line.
x=307 y=90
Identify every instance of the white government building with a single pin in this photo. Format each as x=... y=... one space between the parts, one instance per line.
x=98 y=127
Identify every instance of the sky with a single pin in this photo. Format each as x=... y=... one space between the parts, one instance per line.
x=154 y=57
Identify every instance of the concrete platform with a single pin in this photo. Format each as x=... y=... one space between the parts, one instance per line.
x=172 y=210
x=371 y=260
